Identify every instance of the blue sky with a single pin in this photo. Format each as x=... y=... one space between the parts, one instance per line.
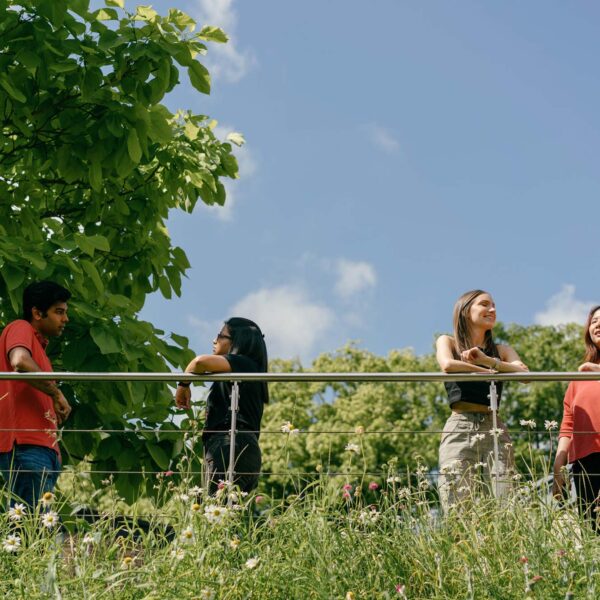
x=398 y=154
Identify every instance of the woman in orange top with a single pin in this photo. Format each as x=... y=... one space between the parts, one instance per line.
x=579 y=437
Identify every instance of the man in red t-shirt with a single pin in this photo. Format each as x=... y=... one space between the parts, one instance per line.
x=30 y=411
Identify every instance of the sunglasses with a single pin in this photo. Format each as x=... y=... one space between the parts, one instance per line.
x=222 y=336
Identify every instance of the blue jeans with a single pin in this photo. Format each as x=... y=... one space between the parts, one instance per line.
x=29 y=472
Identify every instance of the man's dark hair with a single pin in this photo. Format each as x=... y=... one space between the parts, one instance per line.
x=42 y=295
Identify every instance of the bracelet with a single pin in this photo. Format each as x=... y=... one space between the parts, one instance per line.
x=184 y=384
x=496 y=363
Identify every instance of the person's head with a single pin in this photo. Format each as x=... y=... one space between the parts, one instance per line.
x=474 y=311
x=591 y=335
x=242 y=336
x=45 y=307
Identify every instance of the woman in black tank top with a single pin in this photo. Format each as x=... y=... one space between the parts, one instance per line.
x=465 y=449
x=239 y=347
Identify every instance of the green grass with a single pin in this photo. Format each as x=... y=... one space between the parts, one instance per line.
x=316 y=545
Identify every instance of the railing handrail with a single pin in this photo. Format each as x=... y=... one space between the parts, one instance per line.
x=305 y=376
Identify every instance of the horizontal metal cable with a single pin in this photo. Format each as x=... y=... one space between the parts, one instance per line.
x=278 y=432
x=305 y=376
x=170 y=473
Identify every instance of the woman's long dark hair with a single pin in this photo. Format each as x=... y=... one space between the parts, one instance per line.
x=248 y=339
x=462 y=328
x=592 y=353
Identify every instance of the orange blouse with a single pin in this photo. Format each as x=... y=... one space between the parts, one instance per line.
x=581 y=418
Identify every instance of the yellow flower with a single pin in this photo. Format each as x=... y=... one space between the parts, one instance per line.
x=47 y=498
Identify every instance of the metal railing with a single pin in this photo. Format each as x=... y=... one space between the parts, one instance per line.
x=237 y=378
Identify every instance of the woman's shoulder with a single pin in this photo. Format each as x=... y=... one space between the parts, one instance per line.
x=445 y=339
x=242 y=363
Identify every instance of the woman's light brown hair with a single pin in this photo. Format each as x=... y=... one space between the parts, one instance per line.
x=462 y=330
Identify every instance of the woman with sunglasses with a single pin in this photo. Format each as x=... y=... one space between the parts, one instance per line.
x=467 y=443
x=579 y=440
x=238 y=348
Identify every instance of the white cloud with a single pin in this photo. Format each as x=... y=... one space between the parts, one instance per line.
x=291 y=321
x=382 y=138
x=224 y=60
x=205 y=332
x=563 y=307
x=354 y=277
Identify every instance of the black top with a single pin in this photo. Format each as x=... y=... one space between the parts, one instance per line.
x=251 y=402
x=475 y=392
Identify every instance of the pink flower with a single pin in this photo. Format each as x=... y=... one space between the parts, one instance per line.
x=168 y=473
x=373 y=485
x=346 y=487
x=401 y=588
x=221 y=485
x=346 y=496
x=259 y=499
x=523 y=560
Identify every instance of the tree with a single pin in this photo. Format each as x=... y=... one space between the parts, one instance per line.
x=91 y=163
x=412 y=408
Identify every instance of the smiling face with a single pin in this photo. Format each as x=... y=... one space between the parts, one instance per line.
x=51 y=323
x=482 y=313
x=222 y=342
x=594 y=328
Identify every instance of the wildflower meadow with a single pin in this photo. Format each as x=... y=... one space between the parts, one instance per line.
x=338 y=537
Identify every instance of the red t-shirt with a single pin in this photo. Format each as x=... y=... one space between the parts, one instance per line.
x=582 y=414
x=25 y=407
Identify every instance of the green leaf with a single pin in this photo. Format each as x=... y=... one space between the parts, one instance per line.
x=146 y=13
x=107 y=343
x=92 y=273
x=199 y=77
x=159 y=456
x=13 y=276
x=95 y=175
x=181 y=20
x=99 y=242
x=180 y=339
x=35 y=259
x=236 y=138
x=106 y=14
x=213 y=34
x=159 y=129
x=84 y=244
x=119 y=3
x=87 y=309
x=164 y=286
x=11 y=89
x=133 y=146
x=29 y=58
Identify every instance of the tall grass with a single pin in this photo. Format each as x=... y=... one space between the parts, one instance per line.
x=334 y=540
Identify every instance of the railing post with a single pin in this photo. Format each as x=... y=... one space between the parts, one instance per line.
x=235 y=401
x=494 y=408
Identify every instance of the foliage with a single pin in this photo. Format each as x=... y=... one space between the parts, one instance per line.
x=318 y=545
x=91 y=163
x=367 y=414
